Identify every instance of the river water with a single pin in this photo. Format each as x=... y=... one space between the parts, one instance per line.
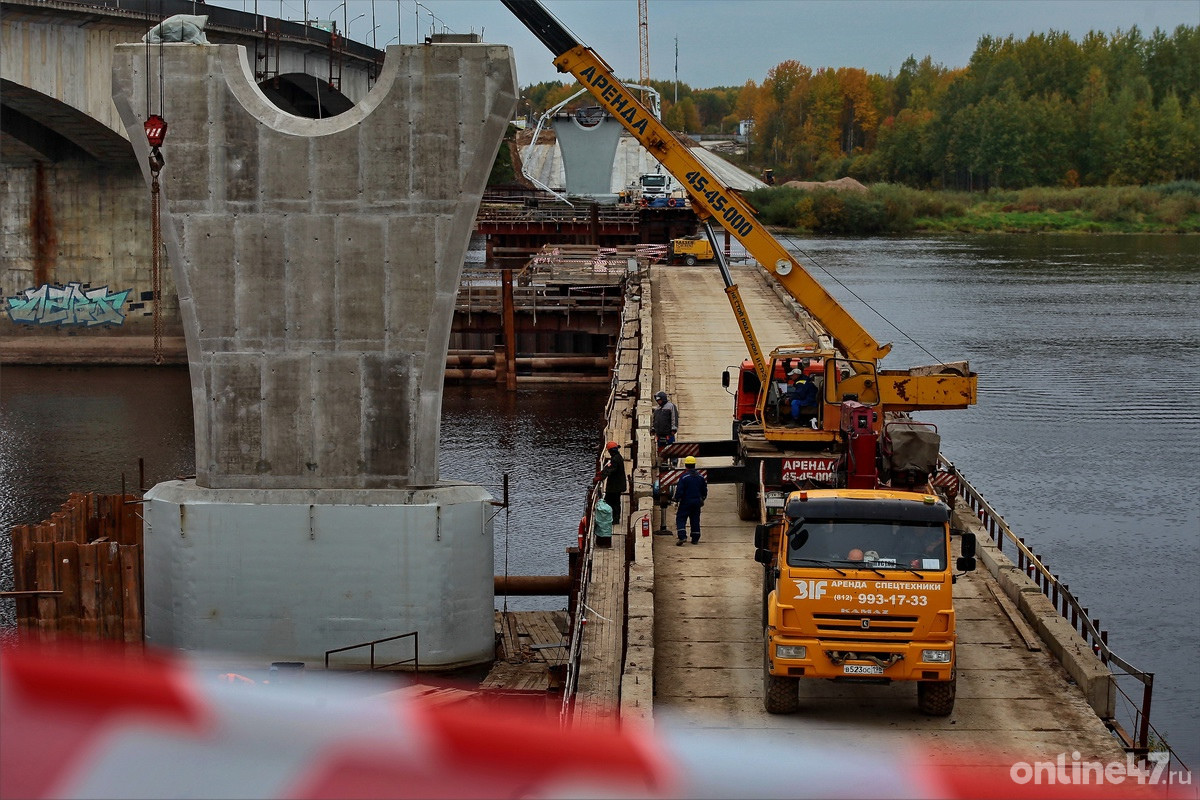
x=1086 y=435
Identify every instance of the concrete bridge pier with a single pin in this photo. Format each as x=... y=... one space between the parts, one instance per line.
x=317 y=264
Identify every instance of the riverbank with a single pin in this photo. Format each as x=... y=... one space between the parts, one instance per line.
x=1172 y=208
x=89 y=351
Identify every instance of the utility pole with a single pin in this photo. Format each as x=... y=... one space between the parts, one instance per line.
x=676 y=70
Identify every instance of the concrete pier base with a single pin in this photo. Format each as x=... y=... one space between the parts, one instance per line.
x=286 y=575
x=317 y=263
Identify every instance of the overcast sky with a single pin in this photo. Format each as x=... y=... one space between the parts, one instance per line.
x=727 y=42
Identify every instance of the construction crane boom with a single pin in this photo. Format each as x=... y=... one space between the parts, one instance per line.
x=643 y=46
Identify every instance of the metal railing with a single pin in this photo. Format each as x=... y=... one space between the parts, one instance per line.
x=575 y=646
x=1073 y=611
x=512 y=215
x=414 y=660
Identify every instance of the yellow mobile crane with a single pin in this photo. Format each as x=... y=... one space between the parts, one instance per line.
x=856 y=577
x=846 y=358
x=898 y=391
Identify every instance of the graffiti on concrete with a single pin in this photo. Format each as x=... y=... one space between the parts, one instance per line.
x=51 y=304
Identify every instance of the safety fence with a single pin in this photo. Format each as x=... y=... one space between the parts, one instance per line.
x=586 y=544
x=587 y=536
x=1073 y=611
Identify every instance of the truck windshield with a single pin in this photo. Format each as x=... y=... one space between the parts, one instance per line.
x=879 y=544
x=654 y=180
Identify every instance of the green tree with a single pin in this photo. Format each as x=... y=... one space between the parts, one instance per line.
x=689 y=118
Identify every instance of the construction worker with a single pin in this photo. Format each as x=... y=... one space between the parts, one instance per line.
x=616 y=483
x=690 y=493
x=803 y=394
x=664 y=420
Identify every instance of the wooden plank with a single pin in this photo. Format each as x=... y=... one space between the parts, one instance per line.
x=75 y=510
x=45 y=531
x=111 y=581
x=20 y=536
x=90 y=591
x=91 y=517
x=127 y=519
x=131 y=521
x=62 y=526
x=131 y=593
x=47 y=606
x=66 y=572
x=542 y=630
x=107 y=509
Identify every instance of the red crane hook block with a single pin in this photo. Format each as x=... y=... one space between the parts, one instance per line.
x=156 y=130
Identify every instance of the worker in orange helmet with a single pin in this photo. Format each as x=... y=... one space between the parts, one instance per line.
x=855 y=555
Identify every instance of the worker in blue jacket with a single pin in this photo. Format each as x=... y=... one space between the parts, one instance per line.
x=803 y=394
x=690 y=493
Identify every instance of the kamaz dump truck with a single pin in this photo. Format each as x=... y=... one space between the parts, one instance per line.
x=857 y=587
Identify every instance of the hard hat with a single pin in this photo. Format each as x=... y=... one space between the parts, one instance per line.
x=611 y=446
x=855 y=555
x=661 y=396
x=690 y=461
x=795 y=372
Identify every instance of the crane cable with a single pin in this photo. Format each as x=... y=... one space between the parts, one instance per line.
x=795 y=246
x=156 y=130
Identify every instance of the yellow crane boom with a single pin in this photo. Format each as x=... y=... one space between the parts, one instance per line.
x=712 y=200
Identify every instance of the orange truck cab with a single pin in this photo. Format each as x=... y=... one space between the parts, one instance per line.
x=858 y=587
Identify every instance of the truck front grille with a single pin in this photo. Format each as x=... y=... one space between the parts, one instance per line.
x=841 y=625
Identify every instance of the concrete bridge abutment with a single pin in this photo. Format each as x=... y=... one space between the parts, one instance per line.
x=317 y=263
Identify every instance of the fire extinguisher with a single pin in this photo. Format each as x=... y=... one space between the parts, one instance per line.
x=645 y=526
x=582 y=527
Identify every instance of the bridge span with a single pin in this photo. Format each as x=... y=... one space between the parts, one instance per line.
x=689 y=651
x=56 y=66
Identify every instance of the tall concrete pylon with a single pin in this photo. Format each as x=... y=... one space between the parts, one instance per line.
x=317 y=263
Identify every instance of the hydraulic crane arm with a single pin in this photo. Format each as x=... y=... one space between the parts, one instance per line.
x=709 y=196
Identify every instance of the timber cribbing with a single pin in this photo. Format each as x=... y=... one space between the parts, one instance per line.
x=692 y=643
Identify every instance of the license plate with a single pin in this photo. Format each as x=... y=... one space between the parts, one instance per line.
x=861 y=669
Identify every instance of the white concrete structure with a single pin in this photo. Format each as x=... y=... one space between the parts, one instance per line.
x=587 y=153
x=289 y=574
x=544 y=162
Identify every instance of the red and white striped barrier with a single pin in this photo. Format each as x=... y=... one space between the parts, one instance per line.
x=947 y=482
x=93 y=721
x=671 y=477
x=679 y=450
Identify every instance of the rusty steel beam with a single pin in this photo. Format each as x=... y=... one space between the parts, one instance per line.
x=533 y=585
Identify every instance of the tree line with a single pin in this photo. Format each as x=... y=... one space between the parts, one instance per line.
x=1111 y=109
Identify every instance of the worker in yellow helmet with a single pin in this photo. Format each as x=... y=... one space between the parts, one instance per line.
x=690 y=493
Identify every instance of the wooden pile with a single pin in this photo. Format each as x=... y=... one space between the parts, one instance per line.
x=79 y=573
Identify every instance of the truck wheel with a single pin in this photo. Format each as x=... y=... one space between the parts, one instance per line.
x=936 y=698
x=780 y=695
x=690 y=261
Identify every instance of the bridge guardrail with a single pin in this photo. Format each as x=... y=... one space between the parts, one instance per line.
x=1073 y=611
